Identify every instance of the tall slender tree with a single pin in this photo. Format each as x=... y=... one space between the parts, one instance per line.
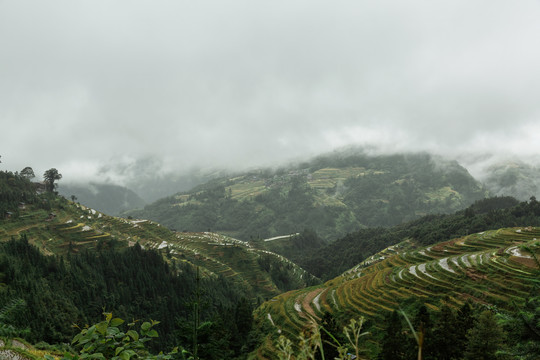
x=50 y=177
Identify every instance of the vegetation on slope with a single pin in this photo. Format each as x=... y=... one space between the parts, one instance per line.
x=494 y=213
x=14 y=190
x=331 y=195
x=101 y=261
x=58 y=226
x=494 y=270
x=69 y=262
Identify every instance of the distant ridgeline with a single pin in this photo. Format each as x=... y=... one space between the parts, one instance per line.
x=332 y=195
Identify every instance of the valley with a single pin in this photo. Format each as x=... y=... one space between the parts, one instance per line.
x=480 y=254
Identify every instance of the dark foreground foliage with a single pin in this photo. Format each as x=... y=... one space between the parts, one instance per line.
x=134 y=283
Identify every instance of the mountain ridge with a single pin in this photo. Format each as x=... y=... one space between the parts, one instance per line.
x=332 y=195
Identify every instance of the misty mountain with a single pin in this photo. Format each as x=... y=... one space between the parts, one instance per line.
x=107 y=198
x=513 y=178
x=332 y=194
x=152 y=179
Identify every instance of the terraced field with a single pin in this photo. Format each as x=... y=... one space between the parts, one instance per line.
x=74 y=228
x=494 y=268
x=224 y=256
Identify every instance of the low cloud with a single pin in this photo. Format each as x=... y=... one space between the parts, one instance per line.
x=89 y=86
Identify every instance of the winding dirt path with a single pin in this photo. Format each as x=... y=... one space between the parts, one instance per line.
x=308 y=299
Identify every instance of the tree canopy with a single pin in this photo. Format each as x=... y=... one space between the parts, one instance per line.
x=28 y=173
x=50 y=177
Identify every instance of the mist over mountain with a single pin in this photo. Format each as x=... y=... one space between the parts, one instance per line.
x=249 y=84
x=152 y=178
x=69 y=262
x=331 y=194
x=107 y=198
x=513 y=178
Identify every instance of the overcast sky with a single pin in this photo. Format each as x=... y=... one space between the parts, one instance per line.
x=245 y=83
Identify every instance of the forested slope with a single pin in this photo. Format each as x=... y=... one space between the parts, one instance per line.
x=494 y=213
x=69 y=263
x=331 y=195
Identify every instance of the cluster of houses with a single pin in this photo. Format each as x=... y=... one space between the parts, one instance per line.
x=9 y=214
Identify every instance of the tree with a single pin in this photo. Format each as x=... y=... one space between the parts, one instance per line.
x=485 y=338
x=73 y=198
x=28 y=173
x=7 y=330
x=394 y=340
x=50 y=177
x=445 y=337
x=464 y=322
x=523 y=328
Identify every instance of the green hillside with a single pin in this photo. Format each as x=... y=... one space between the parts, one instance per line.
x=69 y=263
x=332 y=259
x=331 y=195
x=494 y=269
x=64 y=227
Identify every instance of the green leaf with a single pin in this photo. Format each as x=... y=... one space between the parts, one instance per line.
x=76 y=338
x=133 y=334
x=113 y=331
x=96 y=356
x=116 y=322
x=127 y=354
x=102 y=327
x=152 y=333
x=90 y=331
x=118 y=350
x=145 y=326
x=108 y=316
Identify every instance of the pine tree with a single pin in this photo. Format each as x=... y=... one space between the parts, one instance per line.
x=444 y=338
x=394 y=339
x=485 y=338
x=464 y=322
